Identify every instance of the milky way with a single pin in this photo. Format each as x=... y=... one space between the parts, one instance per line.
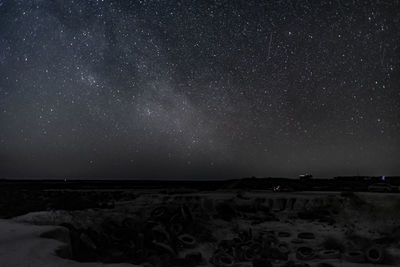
x=199 y=89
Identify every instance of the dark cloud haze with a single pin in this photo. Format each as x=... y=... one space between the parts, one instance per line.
x=199 y=89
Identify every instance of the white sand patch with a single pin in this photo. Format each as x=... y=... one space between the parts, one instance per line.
x=21 y=245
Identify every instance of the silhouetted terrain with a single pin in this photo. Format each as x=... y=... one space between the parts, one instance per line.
x=213 y=223
x=37 y=195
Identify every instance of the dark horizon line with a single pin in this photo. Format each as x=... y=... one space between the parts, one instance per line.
x=156 y=179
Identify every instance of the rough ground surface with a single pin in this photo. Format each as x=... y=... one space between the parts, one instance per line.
x=227 y=228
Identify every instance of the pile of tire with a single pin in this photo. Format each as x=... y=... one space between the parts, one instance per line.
x=374 y=254
x=153 y=240
x=258 y=249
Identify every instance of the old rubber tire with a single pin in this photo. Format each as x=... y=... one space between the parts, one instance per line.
x=164 y=248
x=223 y=260
x=375 y=254
x=251 y=251
x=187 y=241
x=329 y=254
x=354 y=256
x=283 y=248
x=159 y=212
x=305 y=253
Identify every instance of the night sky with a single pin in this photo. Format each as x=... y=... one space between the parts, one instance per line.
x=199 y=89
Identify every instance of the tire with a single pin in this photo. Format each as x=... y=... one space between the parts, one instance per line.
x=375 y=254
x=159 y=212
x=223 y=260
x=283 y=248
x=187 y=240
x=251 y=251
x=329 y=254
x=305 y=253
x=354 y=256
x=162 y=247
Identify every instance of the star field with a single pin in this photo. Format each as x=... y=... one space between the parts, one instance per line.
x=199 y=89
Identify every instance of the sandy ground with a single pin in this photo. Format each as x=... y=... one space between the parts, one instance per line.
x=369 y=215
x=21 y=245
